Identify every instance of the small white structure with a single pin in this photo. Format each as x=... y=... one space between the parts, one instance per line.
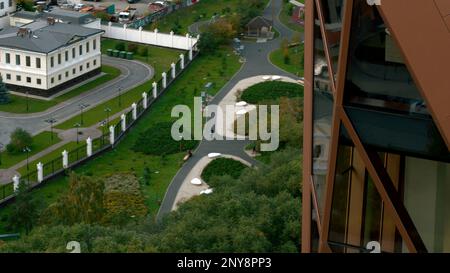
x=174 y=70
x=276 y=78
x=134 y=110
x=214 y=155
x=144 y=100
x=182 y=61
x=65 y=159
x=196 y=181
x=207 y=191
x=16 y=181
x=40 y=172
x=89 y=146
x=241 y=103
x=164 y=80
x=111 y=135
x=123 y=122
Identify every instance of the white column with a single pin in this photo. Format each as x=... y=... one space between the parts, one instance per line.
x=144 y=100
x=140 y=34
x=16 y=181
x=171 y=37
x=65 y=159
x=174 y=70
x=190 y=54
x=111 y=135
x=123 y=119
x=89 y=146
x=182 y=61
x=40 y=172
x=188 y=40
x=155 y=90
x=164 y=80
x=134 y=110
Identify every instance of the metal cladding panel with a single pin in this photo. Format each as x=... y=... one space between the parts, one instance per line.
x=422 y=31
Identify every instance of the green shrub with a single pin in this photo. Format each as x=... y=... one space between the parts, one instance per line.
x=120 y=46
x=223 y=166
x=132 y=47
x=271 y=91
x=158 y=141
x=19 y=140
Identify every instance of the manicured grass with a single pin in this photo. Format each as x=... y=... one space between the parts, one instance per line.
x=160 y=59
x=206 y=68
x=223 y=166
x=294 y=66
x=40 y=143
x=286 y=19
x=271 y=91
x=19 y=103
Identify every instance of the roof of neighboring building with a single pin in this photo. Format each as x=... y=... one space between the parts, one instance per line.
x=66 y=16
x=44 y=38
x=259 y=22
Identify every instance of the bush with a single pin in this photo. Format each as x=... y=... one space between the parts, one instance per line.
x=271 y=91
x=158 y=141
x=133 y=48
x=120 y=46
x=143 y=51
x=223 y=166
x=19 y=140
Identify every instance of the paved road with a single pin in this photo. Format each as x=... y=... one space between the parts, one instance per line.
x=257 y=63
x=132 y=74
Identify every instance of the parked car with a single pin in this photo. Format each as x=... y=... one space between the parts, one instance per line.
x=132 y=1
x=79 y=6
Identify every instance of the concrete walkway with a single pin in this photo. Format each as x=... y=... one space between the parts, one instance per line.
x=133 y=73
x=257 y=64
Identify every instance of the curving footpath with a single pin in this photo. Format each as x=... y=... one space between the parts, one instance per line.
x=133 y=73
x=257 y=63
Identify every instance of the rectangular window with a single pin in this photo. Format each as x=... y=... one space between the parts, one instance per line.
x=52 y=61
x=95 y=62
x=67 y=74
x=81 y=50
x=52 y=80
x=7 y=58
x=94 y=46
x=38 y=81
x=74 y=71
x=59 y=77
x=87 y=47
x=18 y=78
x=10 y=3
x=59 y=58
x=38 y=62
x=2 y=5
x=17 y=59
x=28 y=60
x=29 y=79
x=87 y=65
x=73 y=53
x=8 y=76
x=66 y=55
x=81 y=68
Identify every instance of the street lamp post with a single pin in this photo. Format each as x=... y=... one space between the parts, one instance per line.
x=82 y=107
x=27 y=150
x=103 y=125
x=107 y=111
x=51 y=121
x=77 y=126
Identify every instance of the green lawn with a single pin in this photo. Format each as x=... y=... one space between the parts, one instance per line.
x=19 y=103
x=286 y=19
x=40 y=143
x=159 y=58
x=294 y=66
x=218 y=68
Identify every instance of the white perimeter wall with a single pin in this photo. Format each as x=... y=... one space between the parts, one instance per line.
x=149 y=37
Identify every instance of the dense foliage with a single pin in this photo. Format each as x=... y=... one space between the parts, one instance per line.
x=158 y=141
x=223 y=166
x=258 y=212
x=20 y=139
x=262 y=92
x=4 y=93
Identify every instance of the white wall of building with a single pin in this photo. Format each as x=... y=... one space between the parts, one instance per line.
x=48 y=76
x=6 y=7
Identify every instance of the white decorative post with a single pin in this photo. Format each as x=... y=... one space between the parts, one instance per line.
x=123 y=119
x=140 y=34
x=174 y=70
x=182 y=61
x=134 y=110
x=111 y=135
x=65 y=159
x=40 y=172
x=16 y=181
x=144 y=100
x=188 y=40
x=190 y=54
x=89 y=146
x=155 y=90
x=164 y=80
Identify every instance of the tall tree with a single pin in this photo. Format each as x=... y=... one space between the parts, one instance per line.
x=4 y=93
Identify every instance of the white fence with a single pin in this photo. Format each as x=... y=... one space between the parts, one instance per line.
x=150 y=37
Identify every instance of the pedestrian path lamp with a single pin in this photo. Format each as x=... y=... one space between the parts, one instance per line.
x=51 y=121
x=107 y=111
x=82 y=107
x=77 y=126
x=27 y=150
